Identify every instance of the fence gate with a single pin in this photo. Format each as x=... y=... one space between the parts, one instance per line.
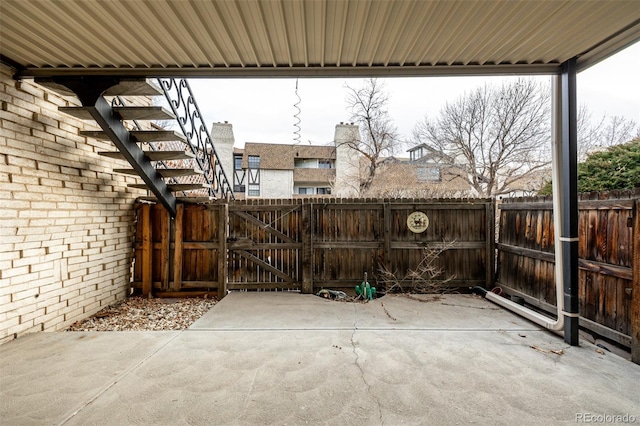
x=304 y=244
x=264 y=247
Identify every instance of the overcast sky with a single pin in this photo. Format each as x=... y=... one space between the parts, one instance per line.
x=262 y=110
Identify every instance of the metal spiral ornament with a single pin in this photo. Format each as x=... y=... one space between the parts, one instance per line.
x=296 y=124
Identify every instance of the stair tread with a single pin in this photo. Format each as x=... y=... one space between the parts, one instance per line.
x=126 y=87
x=126 y=112
x=153 y=155
x=164 y=172
x=140 y=135
x=175 y=187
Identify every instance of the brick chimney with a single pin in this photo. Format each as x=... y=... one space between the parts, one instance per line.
x=347 y=161
x=223 y=140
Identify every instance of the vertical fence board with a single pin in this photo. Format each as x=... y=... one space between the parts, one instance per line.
x=490 y=251
x=165 y=241
x=223 y=223
x=177 y=250
x=311 y=244
x=606 y=251
x=307 y=248
x=635 y=288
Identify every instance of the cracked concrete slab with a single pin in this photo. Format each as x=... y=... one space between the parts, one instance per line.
x=288 y=310
x=283 y=358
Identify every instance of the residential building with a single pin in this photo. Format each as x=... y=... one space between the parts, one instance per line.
x=269 y=170
x=426 y=173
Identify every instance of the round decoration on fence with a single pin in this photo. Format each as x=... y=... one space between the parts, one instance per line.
x=417 y=222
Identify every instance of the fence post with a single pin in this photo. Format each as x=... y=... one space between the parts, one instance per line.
x=635 y=287
x=223 y=233
x=490 y=214
x=177 y=248
x=147 y=249
x=165 y=242
x=307 y=248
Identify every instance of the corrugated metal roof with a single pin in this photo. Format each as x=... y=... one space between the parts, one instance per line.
x=315 y=37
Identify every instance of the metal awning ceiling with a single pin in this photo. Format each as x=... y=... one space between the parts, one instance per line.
x=305 y=38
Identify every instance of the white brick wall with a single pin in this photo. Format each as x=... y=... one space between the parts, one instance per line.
x=66 y=221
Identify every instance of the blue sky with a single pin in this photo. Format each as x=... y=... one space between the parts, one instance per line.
x=262 y=110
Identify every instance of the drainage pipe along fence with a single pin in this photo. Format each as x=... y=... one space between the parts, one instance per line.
x=609 y=260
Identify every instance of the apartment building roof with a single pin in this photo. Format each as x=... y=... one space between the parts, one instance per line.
x=282 y=156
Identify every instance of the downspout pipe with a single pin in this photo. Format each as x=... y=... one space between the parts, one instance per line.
x=531 y=315
x=564 y=213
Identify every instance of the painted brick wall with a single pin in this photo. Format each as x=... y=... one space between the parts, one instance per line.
x=66 y=221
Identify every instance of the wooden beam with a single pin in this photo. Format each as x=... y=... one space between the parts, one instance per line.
x=398 y=245
x=250 y=245
x=223 y=232
x=240 y=206
x=635 y=288
x=147 y=251
x=177 y=248
x=267 y=227
x=264 y=286
x=584 y=264
x=264 y=265
x=612 y=204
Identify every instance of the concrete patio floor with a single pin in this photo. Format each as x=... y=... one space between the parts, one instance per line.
x=289 y=359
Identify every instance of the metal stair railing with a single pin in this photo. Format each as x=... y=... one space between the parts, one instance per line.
x=189 y=117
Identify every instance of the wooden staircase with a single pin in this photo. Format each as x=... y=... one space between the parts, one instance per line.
x=166 y=160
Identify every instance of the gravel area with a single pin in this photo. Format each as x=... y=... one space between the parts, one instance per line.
x=139 y=313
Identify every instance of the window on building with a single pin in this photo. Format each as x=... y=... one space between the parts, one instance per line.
x=304 y=163
x=324 y=164
x=254 y=190
x=237 y=162
x=324 y=191
x=239 y=188
x=429 y=174
x=254 y=161
x=417 y=154
x=305 y=191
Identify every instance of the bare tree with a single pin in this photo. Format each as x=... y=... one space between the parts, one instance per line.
x=497 y=135
x=604 y=133
x=378 y=134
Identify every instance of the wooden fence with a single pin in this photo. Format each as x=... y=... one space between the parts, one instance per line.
x=309 y=244
x=609 y=253
x=306 y=244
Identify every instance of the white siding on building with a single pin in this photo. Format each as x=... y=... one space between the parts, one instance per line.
x=276 y=183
